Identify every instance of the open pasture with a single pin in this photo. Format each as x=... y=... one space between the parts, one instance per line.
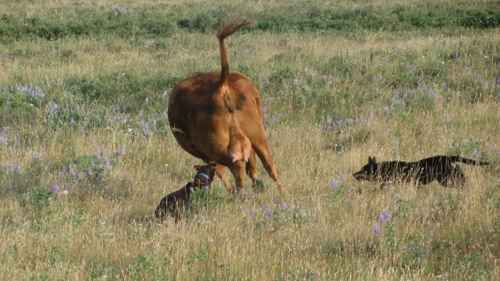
x=86 y=152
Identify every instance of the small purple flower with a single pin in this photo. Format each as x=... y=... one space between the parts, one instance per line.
x=285 y=206
x=73 y=122
x=191 y=188
x=77 y=176
x=241 y=192
x=334 y=183
x=384 y=216
x=107 y=164
x=264 y=208
x=55 y=188
x=18 y=169
x=270 y=214
x=207 y=187
x=426 y=253
x=122 y=151
x=87 y=172
x=431 y=233
x=342 y=177
x=251 y=212
x=376 y=230
x=385 y=111
x=240 y=208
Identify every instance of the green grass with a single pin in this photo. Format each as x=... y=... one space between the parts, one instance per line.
x=86 y=151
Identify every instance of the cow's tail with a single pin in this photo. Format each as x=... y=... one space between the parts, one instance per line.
x=468 y=161
x=227 y=28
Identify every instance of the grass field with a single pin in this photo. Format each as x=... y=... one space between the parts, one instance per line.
x=86 y=151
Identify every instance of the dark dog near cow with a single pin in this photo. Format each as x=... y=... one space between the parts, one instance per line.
x=174 y=203
x=440 y=168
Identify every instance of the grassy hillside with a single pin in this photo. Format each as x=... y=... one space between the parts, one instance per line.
x=86 y=151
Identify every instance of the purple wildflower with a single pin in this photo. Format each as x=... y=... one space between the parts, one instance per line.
x=334 y=183
x=431 y=233
x=342 y=177
x=384 y=216
x=77 y=176
x=285 y=206
x=55 y=188
x=107 y=164
x=251 y=212
x=376 y=230
x=98 y=154
x=385 y=111
x=241 y=192
x=122 y=151
x=270 y=214
x=426 y=253
x=264 y=208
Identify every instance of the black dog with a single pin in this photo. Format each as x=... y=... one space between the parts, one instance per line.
x=440 y=168
x=174 y=203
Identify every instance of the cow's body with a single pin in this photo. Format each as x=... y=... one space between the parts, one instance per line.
x=218 y=116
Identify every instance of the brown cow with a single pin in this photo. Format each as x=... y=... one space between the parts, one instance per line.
x=218 y=116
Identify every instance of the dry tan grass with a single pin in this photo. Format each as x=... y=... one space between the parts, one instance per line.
x=111 y=233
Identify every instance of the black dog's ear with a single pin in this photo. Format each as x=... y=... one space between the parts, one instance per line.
x=372 y=160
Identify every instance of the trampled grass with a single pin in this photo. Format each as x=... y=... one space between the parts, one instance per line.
x=86 y=153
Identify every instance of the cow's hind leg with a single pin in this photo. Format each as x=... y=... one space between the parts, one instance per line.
x=220 y=170
x=262 y=149
x=238 y=172
x=251 y=170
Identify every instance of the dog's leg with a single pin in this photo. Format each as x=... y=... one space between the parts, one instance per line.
x=161 y=210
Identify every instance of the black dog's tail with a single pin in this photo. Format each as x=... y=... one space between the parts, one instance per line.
x=467 y=161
